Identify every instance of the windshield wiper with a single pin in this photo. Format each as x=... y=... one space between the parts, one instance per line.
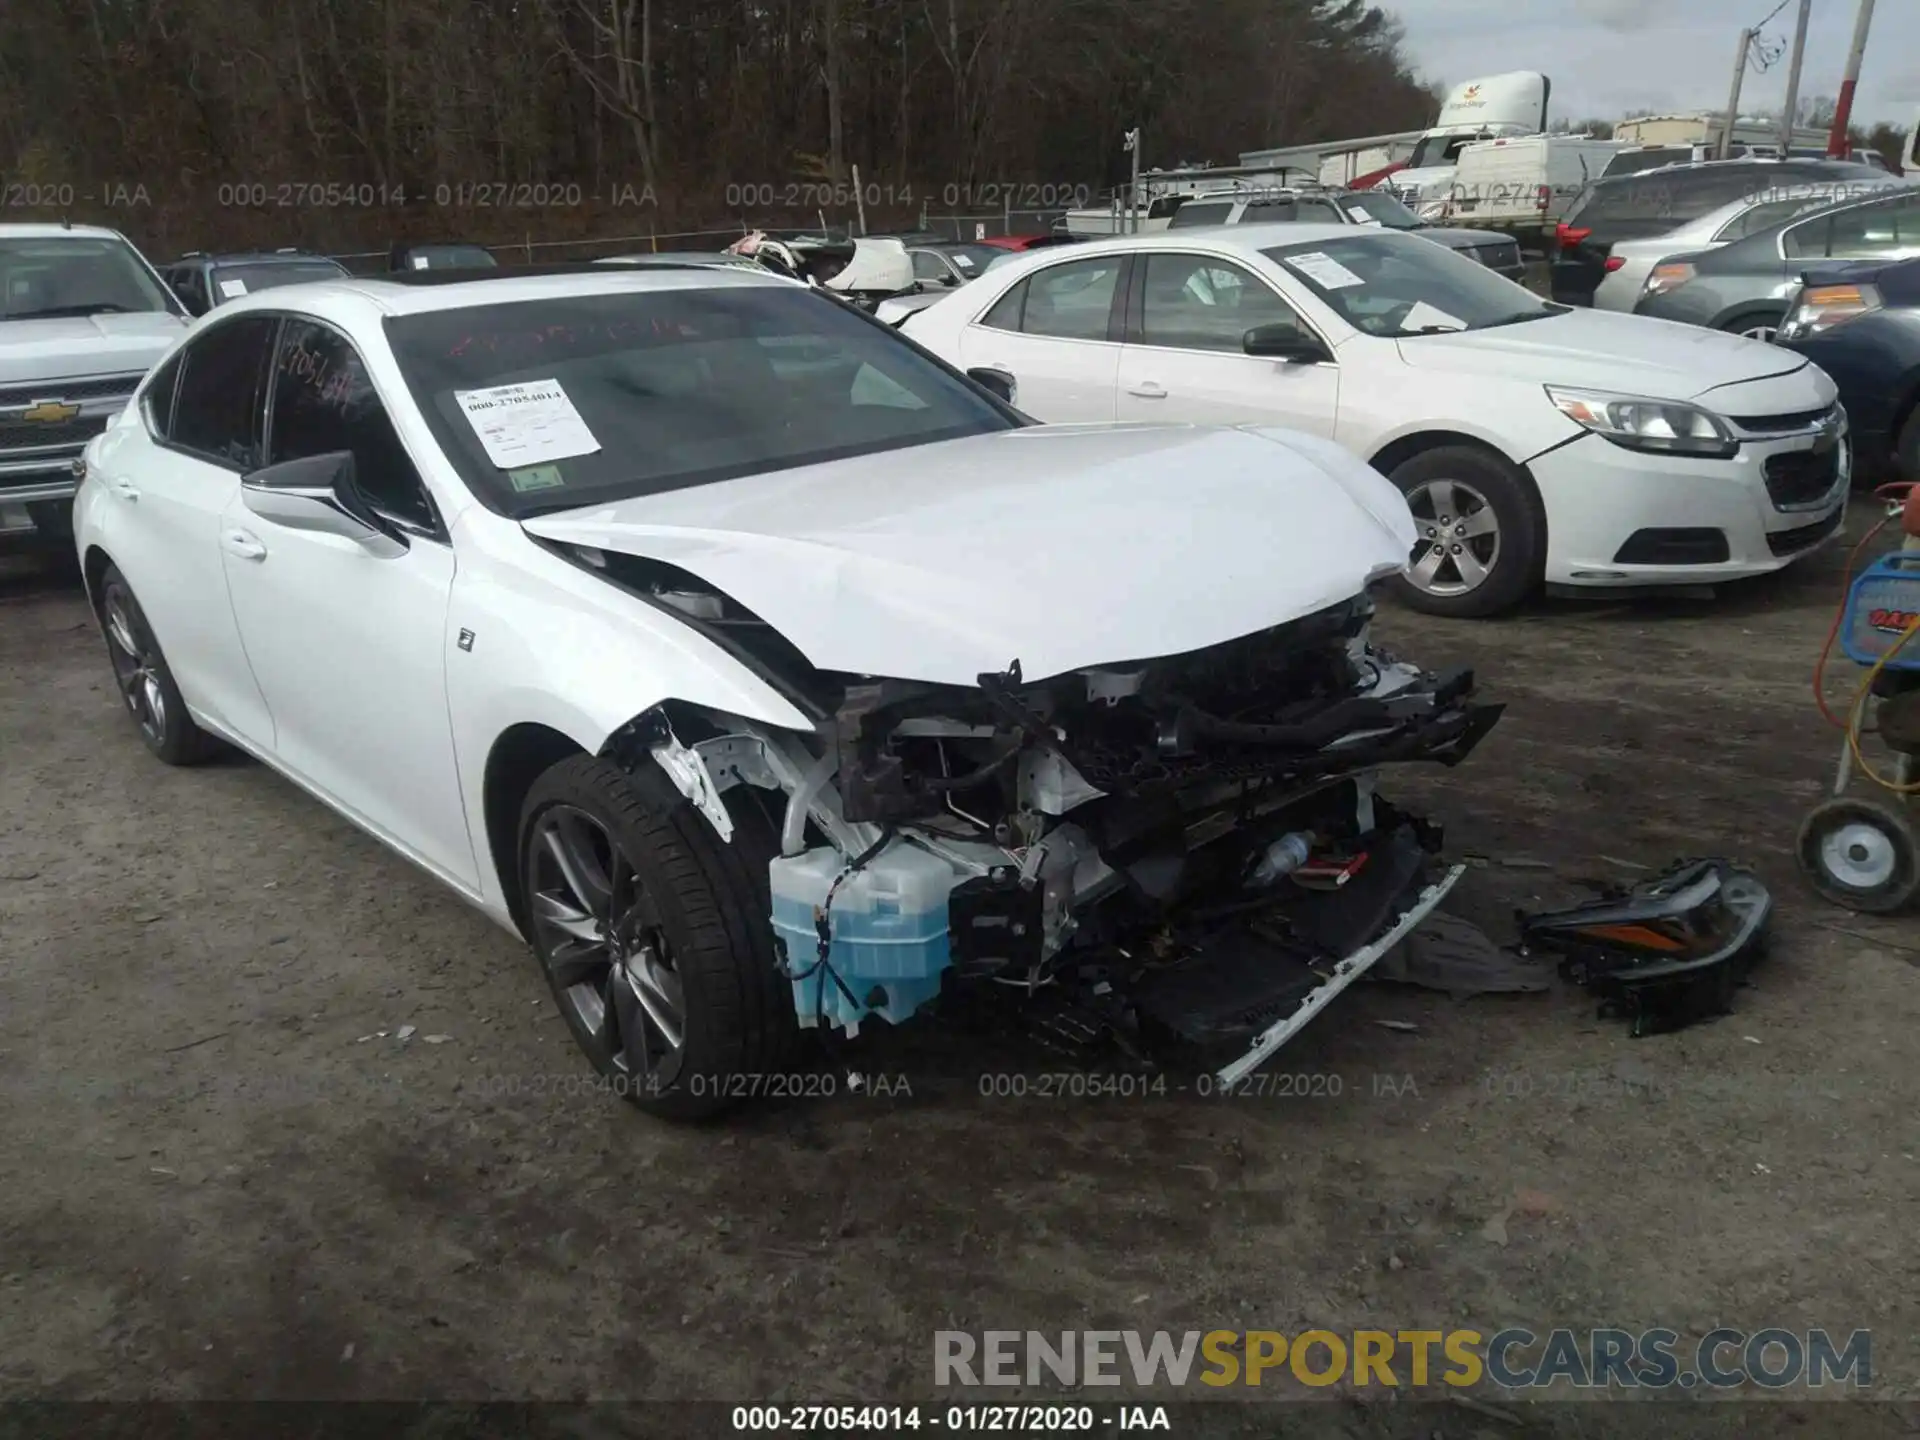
x=68 y=312
x=1519 y=318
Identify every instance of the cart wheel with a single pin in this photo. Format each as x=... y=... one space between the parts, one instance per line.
x=1860 y=854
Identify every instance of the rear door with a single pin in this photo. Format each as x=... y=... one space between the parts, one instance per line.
x=1057 y=333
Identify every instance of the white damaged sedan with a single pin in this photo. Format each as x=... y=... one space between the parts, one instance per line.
x=767 y=675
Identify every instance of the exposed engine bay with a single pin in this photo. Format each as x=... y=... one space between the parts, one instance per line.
x=1178 y=860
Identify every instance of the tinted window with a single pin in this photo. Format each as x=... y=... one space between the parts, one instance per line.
x=1005 y=314
x=679 y=387
x=1201 y=212
x=1765 y=216
x=928 y=266
x=1670 y=198
x=217 y=411
x=157 y=398
x=1258 y=211
x=232 y=281
x=70 y=275
x=1386 y=283
x=1630 y=162
x=1072 y=301
x=1887 y=228
x=1194 y=303
x=323 y=401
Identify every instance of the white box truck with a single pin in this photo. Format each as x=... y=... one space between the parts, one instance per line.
x=1525 y=182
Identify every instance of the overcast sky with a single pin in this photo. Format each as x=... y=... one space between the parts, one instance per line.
x=1606 y=57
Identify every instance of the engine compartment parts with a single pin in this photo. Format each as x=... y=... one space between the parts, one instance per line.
x=1666 y=952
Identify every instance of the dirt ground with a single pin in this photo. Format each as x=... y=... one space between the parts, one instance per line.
x=224 y=1176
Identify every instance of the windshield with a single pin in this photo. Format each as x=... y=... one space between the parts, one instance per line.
x=636 y=393
x=232 y=281
x=970 y=260
x=450 y=257
x=1442 y=149
x=1375 y=207
x=77 y=275
x=1402 y=285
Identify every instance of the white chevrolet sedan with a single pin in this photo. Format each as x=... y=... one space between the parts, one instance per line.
x=764 y=673
x=1534 y=442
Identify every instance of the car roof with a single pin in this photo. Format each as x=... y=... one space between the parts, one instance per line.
x=252 y=257
x=56 y=232
x=1255 y=236
x=372 y=298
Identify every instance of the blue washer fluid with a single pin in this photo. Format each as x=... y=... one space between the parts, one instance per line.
x=887 y=928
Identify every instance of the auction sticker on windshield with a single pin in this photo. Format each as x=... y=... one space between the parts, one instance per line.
x=526 y=424
x=233 y=289
x=1325 y=271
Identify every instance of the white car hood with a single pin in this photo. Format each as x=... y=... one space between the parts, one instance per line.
x=1605 y=350
x=1058 y=546
x=76 y=347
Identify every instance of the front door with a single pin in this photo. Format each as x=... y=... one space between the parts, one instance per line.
x=1186 y=361
x=350 y=642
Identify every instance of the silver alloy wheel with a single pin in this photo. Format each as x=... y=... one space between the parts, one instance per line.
x=600 y=939
x=1459 y=538
x=1764 y=331
x=1859 y=856
x=136 y=668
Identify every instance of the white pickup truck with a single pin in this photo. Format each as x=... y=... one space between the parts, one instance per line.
x=83 y=317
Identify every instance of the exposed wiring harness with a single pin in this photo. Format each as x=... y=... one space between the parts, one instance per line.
x=1854 y=725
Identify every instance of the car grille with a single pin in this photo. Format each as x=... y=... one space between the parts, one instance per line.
x=24 y=436
x=1781 y=424
x=103 y=387
x=1797 y=478
x=1680 y=546
x=1792 y=542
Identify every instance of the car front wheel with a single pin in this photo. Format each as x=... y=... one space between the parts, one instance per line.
x=655 y=935
x=145 y=683
x=1479 y=532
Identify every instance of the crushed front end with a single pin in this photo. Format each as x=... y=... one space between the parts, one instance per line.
x=1181 y=860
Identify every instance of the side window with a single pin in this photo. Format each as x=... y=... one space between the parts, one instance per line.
x=216 y=410
x=1807 y=239
x=1005 y=314
x=156 y=401
x=323 y=401
x=1764 y=216
x=1072 y=301
x=1193 y=303
x=1878 y=229
x=928 y=266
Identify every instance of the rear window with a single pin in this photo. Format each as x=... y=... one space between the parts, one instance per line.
x=1201 y=212
x=1631 y=162
x=1662 y=200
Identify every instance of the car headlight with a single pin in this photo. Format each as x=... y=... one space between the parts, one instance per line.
x=1666 y=427
x=1666 y=278
x=1822 y=307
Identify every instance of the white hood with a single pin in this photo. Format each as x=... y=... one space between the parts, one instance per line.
x=76 y=347
x=1058 y=546
x=1605 y=350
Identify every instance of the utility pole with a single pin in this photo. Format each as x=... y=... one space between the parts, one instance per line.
x=1133 y=191
x=1733 y=96
x=1793 y=78
x=1843 y=105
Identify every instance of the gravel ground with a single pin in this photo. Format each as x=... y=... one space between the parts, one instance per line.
x=227 y=1177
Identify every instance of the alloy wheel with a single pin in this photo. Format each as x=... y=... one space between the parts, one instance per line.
x=1459 y=538
x=1764 y=332
x=136 y=667
x=599 y=936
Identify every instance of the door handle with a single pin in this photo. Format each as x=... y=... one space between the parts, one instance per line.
x=243 y=544
x=126 y=489
x=1148 y=390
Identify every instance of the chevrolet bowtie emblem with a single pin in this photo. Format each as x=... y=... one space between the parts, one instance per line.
x=49 y=412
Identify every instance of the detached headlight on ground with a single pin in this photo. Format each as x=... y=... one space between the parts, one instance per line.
x=1666 y=278
x=1663 y=426
x=1821 y=307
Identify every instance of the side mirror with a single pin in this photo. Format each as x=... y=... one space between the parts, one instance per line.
x=318 y=493
x=999 y=382
x=1283 y=342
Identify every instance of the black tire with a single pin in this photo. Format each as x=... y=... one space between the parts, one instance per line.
x=1747 y=320
x=1860 y=854
x=695 y=920
x=1512 y=564
x=144 y=682
x=1906 y=450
